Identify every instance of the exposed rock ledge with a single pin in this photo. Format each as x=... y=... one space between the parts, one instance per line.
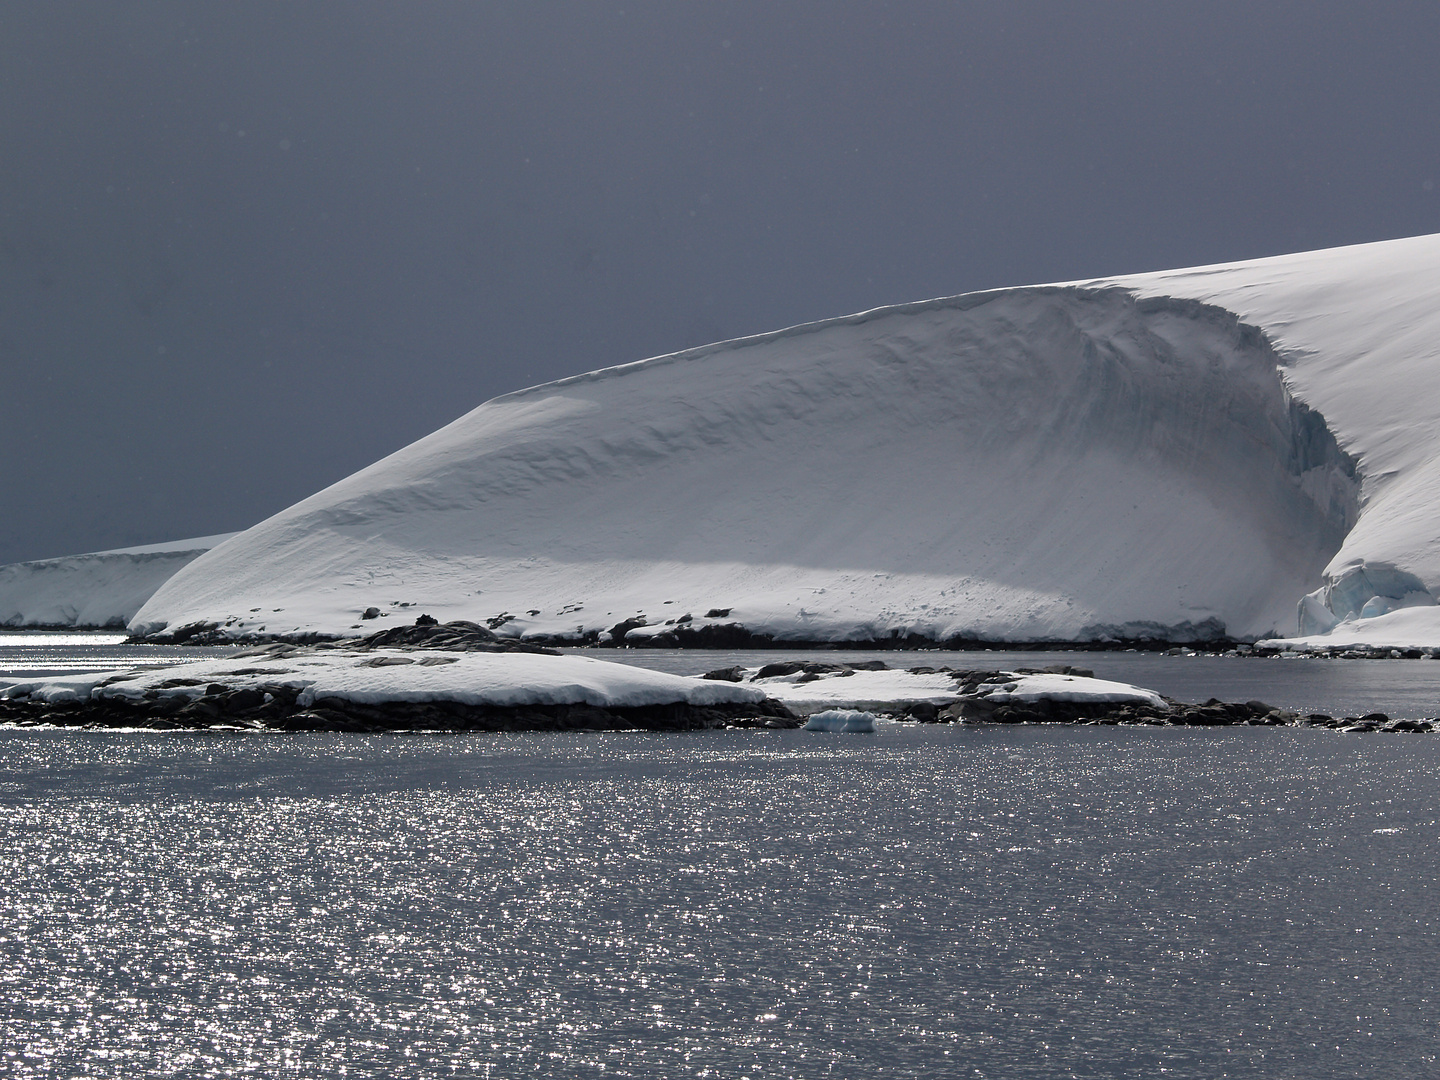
x=222 y=708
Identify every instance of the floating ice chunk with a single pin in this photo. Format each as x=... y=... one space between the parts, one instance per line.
x=846 y=720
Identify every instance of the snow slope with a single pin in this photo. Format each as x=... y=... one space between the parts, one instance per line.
x=1116 y=458
x=102 y=588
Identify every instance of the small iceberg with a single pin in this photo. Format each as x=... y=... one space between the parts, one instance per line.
x=846 y=720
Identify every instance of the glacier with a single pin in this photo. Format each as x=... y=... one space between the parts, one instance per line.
x=97 y=589
x=1183 y=455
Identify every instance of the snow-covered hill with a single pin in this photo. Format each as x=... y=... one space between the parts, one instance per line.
x=1118 y=458
x=102 y=588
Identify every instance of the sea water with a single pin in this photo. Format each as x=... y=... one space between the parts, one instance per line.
x=39 y=654
x=926 y=901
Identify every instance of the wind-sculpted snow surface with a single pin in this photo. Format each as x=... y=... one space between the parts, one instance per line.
x=1045 y=463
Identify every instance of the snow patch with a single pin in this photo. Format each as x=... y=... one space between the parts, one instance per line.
x=862 y=690
x=1029 y=689
x=471 y=678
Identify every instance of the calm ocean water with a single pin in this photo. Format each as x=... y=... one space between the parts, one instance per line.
x=1001 y=902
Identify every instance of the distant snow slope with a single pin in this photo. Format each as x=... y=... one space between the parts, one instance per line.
x=102 y=588
x=1040 y=463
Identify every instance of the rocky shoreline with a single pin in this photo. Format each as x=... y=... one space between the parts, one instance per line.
x=735 y=636
x=973 y=707
x=275 y=708
x=258 y=690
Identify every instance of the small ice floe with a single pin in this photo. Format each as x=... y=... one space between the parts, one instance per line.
x=850 y=721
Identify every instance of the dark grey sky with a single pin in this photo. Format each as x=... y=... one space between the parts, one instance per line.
x=248 y=248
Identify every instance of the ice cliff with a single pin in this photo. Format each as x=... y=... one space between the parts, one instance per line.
x=1358 y=331
x=102 y=588
x=1114 y=459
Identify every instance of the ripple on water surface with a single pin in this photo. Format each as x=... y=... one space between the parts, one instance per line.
x=1001 y=902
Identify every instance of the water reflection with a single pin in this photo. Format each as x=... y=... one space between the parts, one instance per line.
x=1032 y=902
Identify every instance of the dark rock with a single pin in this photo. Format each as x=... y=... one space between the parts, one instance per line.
x=1210 y=715
x=1409 y=725
x=722 y=636
x=198 y=633
x=663 y=640
x=242 y=700
x=370 y=613
x=1018 y=714
x=457 y=636
x=727 y=674
x=785 y=667
x=202 y=709
x=620 y=629
x=718 y=613
x=813 y=669
x=426 y=620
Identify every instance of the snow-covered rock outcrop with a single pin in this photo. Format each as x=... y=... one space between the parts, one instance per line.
x=1054 y=462
x=102 y=588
